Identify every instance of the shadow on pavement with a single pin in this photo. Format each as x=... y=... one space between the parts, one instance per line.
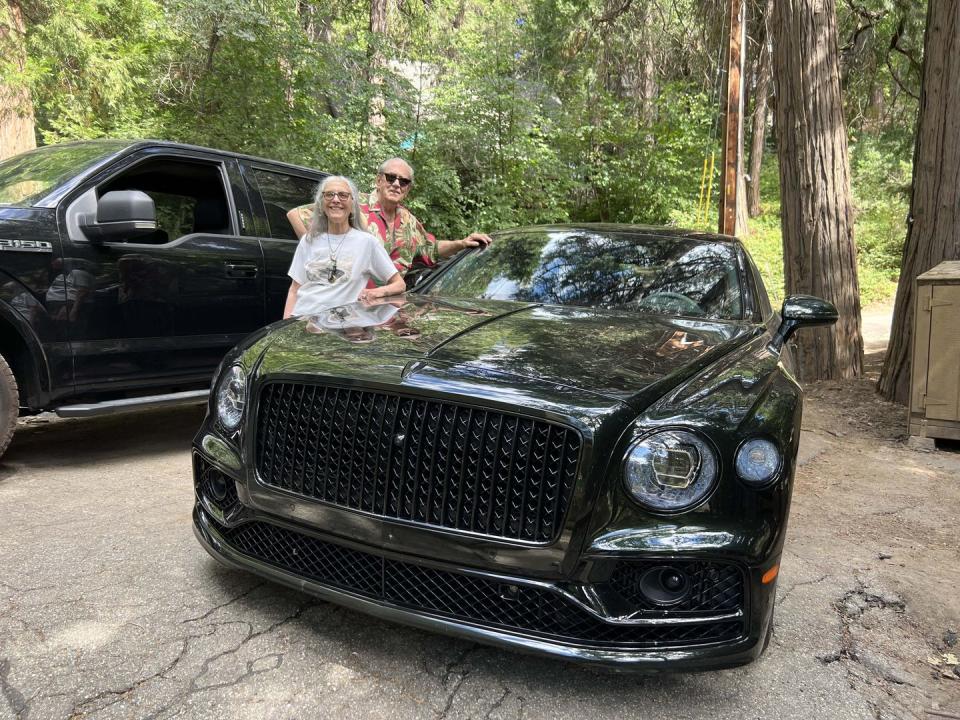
x=50 y=441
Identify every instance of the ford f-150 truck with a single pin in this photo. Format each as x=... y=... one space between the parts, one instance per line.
x=128 y=269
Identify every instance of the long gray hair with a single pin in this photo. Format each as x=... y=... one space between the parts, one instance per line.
x=319 y=223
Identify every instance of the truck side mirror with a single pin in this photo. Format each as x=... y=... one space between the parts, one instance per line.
x=122 y=214
x=802 y=311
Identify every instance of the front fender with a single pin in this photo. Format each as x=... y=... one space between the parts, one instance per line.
x=15 y=328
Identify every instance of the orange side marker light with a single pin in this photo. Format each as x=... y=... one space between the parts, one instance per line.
x=770 y=575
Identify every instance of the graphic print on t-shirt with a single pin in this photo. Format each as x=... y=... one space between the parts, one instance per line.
x=326 y=271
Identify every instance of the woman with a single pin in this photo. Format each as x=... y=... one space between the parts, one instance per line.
x=336 y=257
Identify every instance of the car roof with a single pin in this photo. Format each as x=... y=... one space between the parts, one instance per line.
x=651 y=231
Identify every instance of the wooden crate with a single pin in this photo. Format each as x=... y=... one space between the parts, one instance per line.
x=935 y=386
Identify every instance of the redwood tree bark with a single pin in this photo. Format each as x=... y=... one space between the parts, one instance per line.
x=819 y=252
x=16 y=104
x=933 y=229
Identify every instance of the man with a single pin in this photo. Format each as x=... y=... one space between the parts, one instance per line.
x=403 y=235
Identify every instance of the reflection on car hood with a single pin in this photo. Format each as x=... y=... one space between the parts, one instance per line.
x=505 y=347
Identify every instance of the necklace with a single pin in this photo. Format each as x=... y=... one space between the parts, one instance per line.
x=334 y=273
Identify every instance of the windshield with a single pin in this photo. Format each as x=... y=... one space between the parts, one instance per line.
x=27 y=178
x=666 y=276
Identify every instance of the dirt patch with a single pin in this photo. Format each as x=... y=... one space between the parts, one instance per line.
x=885 y=517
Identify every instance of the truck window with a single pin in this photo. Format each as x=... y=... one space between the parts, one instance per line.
x=190 y=197
x=281 y=193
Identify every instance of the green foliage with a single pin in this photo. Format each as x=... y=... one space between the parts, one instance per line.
x=640 y=175
x=881 y=189
x=91 y=66
x=514 y=112
x=882 y=43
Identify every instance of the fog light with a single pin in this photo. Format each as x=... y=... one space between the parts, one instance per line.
x=672 y=582
x=665 y=585
x=218 y=486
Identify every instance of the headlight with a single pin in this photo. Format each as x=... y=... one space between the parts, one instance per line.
x=758 y=461
x=231 y=397
x=670 y=470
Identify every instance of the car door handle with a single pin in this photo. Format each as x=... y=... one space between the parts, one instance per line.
x=233 y=270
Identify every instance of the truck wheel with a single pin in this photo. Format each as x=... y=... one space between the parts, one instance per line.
x=9 y=405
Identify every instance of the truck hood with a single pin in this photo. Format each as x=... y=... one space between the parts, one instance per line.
x=509 y=351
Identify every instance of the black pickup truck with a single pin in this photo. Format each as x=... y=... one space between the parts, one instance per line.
x=130 y=267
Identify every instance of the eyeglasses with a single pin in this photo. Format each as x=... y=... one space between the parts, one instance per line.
x=342 y=195
x=391 y=178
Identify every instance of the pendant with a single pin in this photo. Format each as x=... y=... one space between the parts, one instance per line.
x=333 y=272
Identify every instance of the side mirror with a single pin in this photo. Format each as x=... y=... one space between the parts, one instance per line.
x=122 y=214
x=802 y=311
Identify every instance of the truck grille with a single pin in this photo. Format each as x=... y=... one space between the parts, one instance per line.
x=459 y=596
x=423 y=461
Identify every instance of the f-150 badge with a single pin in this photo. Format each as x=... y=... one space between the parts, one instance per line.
x=26 y=245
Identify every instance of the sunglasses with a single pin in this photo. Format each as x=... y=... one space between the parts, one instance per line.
x=391 y=178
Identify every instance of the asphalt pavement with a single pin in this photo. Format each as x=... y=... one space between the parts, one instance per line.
x=109 y=608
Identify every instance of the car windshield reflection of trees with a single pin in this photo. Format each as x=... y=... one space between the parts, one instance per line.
x=669 y=276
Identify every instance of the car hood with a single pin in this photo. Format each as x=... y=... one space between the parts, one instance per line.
x=508 y=350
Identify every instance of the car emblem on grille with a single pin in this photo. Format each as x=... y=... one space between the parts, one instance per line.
x=398 y=439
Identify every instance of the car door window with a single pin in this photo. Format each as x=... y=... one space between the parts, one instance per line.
x=281 y=193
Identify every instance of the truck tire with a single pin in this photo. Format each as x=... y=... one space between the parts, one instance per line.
x=9 y=405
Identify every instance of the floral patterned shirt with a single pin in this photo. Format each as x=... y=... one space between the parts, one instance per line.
x=406 y=240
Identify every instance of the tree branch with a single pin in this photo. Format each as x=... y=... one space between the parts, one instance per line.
x=899 y=82
x=895 y=45
x=614 y=14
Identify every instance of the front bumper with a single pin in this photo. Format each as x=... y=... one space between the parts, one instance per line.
x=511 y=612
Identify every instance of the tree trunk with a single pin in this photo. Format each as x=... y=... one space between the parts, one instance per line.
x=758 y=135
x=16 y=104
x=378 y=38
x=933 y=231
x=319 y=30
x=873 y=120
x=647 y=73
x=819 y=252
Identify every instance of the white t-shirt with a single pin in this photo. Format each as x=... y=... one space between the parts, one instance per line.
x=333 y=269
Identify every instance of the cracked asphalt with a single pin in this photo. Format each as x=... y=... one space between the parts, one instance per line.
x=109 y=608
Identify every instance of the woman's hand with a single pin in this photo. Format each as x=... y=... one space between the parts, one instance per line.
x=368 y=295
x=395 y=286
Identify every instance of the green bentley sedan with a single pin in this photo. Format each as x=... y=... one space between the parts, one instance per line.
x=578 y=442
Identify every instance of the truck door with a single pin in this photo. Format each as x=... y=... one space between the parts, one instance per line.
x=162 y=309
x=274 y=192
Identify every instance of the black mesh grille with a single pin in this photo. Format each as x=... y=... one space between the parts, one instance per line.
x=308 y=557
x=419 y=460
x=213 y=484
x=714 y=587
x=458 y=596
